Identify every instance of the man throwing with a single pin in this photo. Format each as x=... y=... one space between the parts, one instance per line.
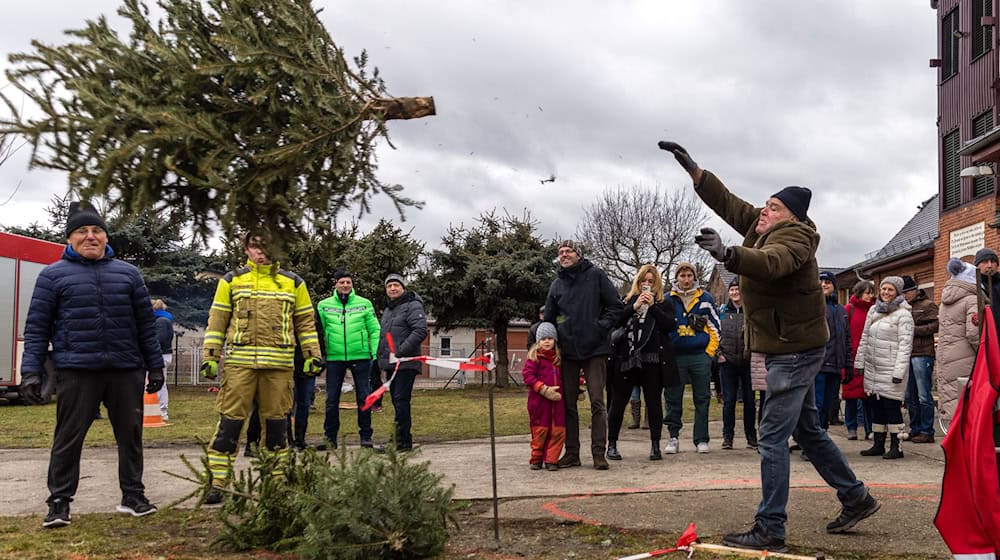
x=779 y=280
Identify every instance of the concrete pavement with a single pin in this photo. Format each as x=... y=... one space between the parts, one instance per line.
x=718 y=491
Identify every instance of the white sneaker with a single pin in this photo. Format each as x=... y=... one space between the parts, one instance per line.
x=703 y=447
x=673 y=446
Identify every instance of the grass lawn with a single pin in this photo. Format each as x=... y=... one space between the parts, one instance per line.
x=438 y=415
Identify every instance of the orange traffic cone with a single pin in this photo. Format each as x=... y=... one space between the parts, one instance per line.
x=151 y=417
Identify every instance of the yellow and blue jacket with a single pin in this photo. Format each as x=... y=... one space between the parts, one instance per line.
x=256 y=315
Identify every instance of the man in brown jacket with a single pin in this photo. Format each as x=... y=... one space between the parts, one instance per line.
x=919 y=401
x=786 y=322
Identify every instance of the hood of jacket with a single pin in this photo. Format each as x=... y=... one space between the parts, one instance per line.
x=954 y=290
x=407 y=296
x=570 y=273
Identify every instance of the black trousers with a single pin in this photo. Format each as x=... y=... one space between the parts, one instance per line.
x=80 y=393
x=650 y=378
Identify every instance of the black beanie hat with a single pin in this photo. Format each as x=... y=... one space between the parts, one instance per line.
x=796 y=199
x=341 y=273
x=735 y=282
x=985 y=254
x=79 y=217
x=909 y=283
x=829 y=277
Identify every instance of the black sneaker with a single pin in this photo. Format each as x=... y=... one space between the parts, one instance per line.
x=727 y=443
x=213 y=497
x=851 y=516
x=755 y=539
x=58 y=515
x=136 y=505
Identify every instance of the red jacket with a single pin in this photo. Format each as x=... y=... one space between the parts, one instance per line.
x=857 y=310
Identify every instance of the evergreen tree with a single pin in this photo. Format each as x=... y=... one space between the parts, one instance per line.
x=243 y=112
x=488 y=275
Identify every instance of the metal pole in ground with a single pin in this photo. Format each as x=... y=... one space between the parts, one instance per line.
x=493 y=448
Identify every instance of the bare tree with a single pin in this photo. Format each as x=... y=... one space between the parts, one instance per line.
x=630 y=226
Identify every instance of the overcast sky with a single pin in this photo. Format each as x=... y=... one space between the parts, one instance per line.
x=836 y=96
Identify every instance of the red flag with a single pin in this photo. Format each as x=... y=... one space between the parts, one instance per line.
x=968 y=517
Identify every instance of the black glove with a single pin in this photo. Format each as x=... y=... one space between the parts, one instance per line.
x=710 y=241
x=155 y=380
x=848 y=376
x=30 y=388
x=698 y=322
x=680 y=154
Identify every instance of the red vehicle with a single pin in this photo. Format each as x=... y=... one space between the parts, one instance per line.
x=21 y=260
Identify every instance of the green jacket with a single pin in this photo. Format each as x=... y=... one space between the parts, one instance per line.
x=349 y=329
x=779 y=277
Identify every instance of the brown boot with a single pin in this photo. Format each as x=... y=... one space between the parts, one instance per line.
x=636 y=413
x=600 y=463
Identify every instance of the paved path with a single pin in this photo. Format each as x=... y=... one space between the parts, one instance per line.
x=718 y=491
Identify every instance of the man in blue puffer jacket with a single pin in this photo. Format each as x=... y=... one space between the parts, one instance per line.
x=95 y=312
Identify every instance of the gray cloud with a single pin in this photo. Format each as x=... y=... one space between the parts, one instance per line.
x=836 y=96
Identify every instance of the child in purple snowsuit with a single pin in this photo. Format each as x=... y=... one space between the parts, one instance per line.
x=546 y=414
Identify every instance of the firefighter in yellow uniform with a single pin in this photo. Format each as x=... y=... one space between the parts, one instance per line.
x=257 y=313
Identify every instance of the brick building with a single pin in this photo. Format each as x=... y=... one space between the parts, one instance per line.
x=910 y=251
x=968 y=138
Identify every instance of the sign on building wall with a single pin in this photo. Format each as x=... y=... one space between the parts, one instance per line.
x=967 y=240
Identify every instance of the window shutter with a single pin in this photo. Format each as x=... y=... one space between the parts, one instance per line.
x=982 y=186
x=951 y=182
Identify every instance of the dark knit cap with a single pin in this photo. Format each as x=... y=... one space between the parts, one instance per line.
x=572 y=245
x=79 y=217
x=735 y=282
x=395 y=278
x=829 y=277
x=985 y=254
x=341 y=273
x=796 y=199
x=909 y=283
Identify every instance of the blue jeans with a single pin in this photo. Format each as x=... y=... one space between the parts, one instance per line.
x=827 y=384
x=791 y=407
x=402 y=392
x=335 y=373
x=305 y=386
x=855 y=415
x=695 y=369
x=919 y=401
x=737 y=379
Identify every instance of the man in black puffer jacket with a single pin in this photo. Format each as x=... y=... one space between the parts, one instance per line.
x=96 y=313
x=405 y=320
x=584 y=305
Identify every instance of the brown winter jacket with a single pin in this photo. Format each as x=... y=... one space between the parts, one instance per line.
x=925 y=324
x=779 y=277
x=958 y=344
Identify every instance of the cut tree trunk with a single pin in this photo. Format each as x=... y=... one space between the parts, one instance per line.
x=401 y=108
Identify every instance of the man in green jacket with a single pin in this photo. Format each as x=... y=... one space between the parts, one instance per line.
x=786 y=327
x=350 y=329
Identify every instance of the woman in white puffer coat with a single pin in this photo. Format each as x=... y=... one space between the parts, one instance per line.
x=884 y=355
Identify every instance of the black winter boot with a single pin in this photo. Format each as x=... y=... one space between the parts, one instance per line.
x=894 y=451
x=877 y=448
x=636 y=414
x=613 y=453
x=300 y=435
x=654 y=451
